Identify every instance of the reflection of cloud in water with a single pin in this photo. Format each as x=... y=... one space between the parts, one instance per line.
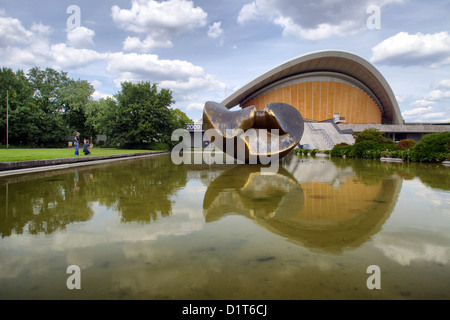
x=418 y=232
x=414 y=247
x=439 y=198
x=104 y=228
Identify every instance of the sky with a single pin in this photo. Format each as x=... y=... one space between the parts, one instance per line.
x=204 y=50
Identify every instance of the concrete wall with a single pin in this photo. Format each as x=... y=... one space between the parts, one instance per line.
x=323 y=136
x=398 y=132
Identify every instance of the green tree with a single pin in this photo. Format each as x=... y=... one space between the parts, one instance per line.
x=370 y=134
x=140 y=115
x=181 y=118
x=433 y=147
x=74 y=97
x=23 y=115
x=47 y=85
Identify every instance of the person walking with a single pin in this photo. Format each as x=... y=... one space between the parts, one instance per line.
x=77 y=143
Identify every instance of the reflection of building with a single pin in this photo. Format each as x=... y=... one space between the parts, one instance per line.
x=333 y=209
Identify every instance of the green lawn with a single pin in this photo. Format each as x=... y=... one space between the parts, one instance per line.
x=40 y=154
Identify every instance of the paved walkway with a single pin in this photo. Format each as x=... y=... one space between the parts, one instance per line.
x=23 y=167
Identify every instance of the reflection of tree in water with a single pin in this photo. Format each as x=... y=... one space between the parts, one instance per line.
x=138 y=190
x=432 y=174
x=372 y=171
x=42 y=205
x=141 y=190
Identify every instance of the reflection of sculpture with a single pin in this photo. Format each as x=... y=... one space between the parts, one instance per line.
x=330 y=215
x=244 y=190
x=251 y=129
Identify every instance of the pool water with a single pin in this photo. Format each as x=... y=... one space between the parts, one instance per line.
x=149 y=229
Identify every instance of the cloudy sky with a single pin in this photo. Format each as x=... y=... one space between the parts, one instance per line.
x=205 y=49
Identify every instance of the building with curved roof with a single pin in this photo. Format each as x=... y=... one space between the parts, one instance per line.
x=324 y=85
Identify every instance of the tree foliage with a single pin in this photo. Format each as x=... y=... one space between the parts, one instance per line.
x=139 y=116
x=433 y=147
x=46 y=107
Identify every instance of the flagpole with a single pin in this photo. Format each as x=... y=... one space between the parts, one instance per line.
x=7 y=118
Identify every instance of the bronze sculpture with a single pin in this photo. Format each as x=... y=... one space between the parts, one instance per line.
x=253 y=135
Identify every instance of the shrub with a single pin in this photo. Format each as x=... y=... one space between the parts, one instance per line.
x=434 y=147
x=370 y=134
x=159 y=146
x=371 y=154
x=100 y=143
x=405 y=144
x=314 y=151
x=341 y=150
x=341 y=144
x=360 y=147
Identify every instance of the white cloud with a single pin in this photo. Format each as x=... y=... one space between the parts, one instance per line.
x=58 y=56
x=431 y=107
x=446 y=120
x=248 y=12
x=195 y=106
x=159 y=21
x=416 y=111
x=432 y=50
x=424 y=114
x=12 y=31
x=215 y=30
x=134 y=43
x=309 y=20
x=27 y=48
x=434 y=115
x=97 y=95
x=423 y=103
x=61 y=56
x=182 y=77
x=320 y=32
x=80 y=37
x=438 y=94
x=402 y=97
x=444 y=84
x=151 y=65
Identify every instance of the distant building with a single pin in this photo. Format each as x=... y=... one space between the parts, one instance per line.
x=334 y=91
x=337 y=93
x=324 y=85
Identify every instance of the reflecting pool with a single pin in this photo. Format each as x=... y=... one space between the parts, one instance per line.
x=149 y=229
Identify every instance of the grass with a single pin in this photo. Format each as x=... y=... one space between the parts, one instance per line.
x=11 y=155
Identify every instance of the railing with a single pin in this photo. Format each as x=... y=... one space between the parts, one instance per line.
x=324 y=134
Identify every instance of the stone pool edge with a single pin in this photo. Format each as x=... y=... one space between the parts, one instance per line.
x=20 y=167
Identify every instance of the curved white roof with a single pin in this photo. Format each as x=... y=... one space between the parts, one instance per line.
x=333 y=62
